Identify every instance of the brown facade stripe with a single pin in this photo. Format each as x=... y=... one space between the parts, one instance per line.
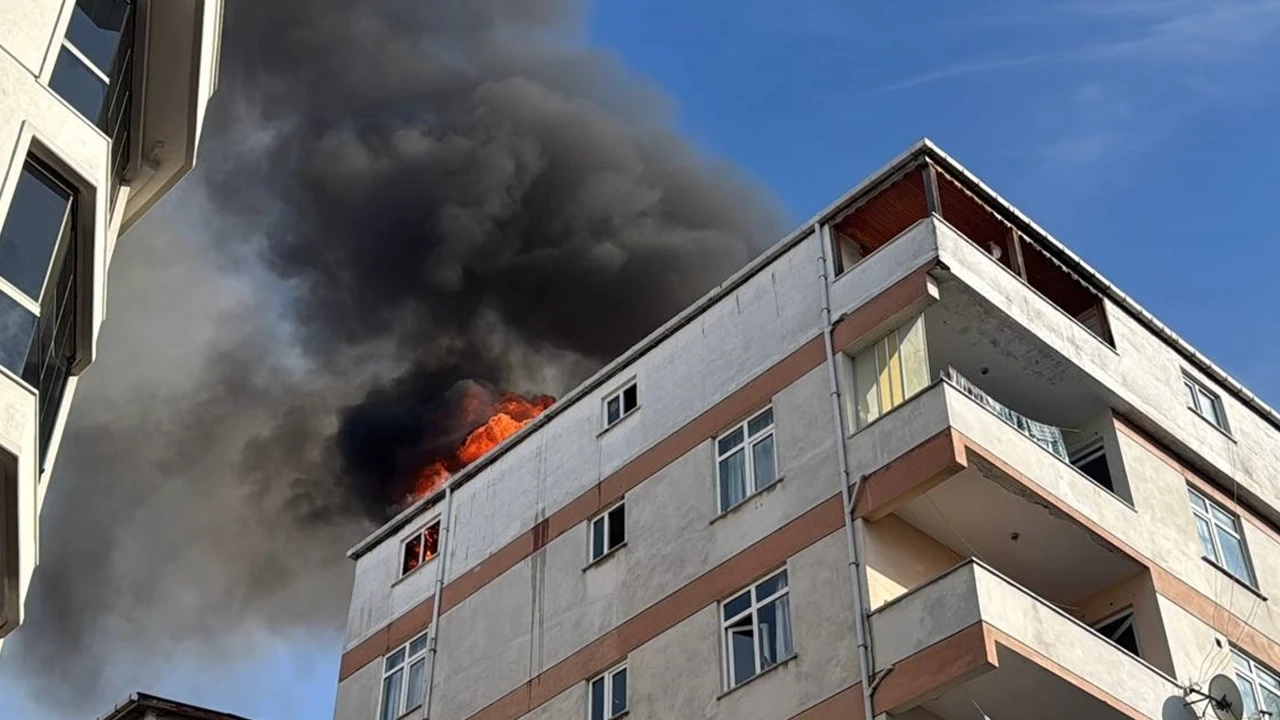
x=936 y=669
x=908 y=476
x=1154 y=447
x=733 y=574
x=908 y=293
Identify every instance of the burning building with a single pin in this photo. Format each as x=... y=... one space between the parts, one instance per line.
x=917 y=460
x=141 y=706
x=101 y=106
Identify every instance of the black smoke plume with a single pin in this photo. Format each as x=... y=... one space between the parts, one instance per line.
x=395 y=198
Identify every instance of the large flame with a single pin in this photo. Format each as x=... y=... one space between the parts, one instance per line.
x=510 y=413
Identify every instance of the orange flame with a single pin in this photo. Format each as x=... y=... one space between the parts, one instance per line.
x=510 y=413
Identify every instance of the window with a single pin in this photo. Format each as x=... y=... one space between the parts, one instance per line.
x=607 y=695
x=1204 y=402
x=1259 y=687
x=745 y=459
x=1119 y=630
x=89 y=60
x=38 y=259
x=757 y=629
x=1091 y=459
x=620 y=404
x=889 y=371
x=608 y=531
x=1220 y=537
x=404 y=679
x=420 y=548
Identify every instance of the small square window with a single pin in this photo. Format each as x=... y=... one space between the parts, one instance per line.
x=1204 y=402
x=421 y=547
x=746 y=462
x=607 y=695
x=1221 y=537
x=620 y=404
x=608 y=531
x=756 y=627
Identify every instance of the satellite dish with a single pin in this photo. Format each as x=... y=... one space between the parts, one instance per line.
x=1225 y=699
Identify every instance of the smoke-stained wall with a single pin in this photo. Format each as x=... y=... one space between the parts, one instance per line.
x=397 y=201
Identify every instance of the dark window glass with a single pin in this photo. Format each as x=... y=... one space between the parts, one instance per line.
x=78 y=85
x=53 y=349
x=17 y=326
x=597 y=699
x=629 y=399
x=97 y=36
x=1093 y=462
x=619 y=704
x=31 y=230
x=617 y=526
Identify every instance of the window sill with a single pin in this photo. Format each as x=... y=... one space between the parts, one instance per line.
x=1225 y=433
x=415 y=711
x=1255 y=591
x=413 y=572
x=757 y=676
x=620 y=420
x=600 y=560
x=746 y=500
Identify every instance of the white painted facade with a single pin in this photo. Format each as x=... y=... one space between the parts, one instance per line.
x=1008 y=539
x=167 y=64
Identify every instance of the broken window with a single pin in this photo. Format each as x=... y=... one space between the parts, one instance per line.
x=404 y=679
x=757 y=629
x=608 y=531
x=607 y=694
x=420 y=548
x=1119 y=629
x=745 y=459
x=620 y=404
x=889 y=371
x=1204 y=402
x=1091 y=459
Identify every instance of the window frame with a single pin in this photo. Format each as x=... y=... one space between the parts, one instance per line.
x=900 y=334
x=423 y=558
x=606 y=520
x=753 y=609
x=747 y=447
x=1219 y=559
x=118 y=70
x=1130 y=617
x=1254 y=670
x=607 y=678
x=620 y=395
x=1197 y=393
x=403 y=666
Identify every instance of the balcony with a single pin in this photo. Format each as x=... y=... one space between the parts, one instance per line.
x=973 y=643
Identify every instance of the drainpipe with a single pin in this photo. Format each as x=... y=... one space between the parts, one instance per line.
x=433 y=634
x=846 y=495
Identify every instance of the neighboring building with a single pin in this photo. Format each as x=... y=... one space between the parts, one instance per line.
x=149 y=707
x=1060 y=509
x=101 y=103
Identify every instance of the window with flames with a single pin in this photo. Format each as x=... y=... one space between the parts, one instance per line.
x=420 y=548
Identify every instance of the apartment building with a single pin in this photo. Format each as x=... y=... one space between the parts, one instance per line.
x=918 y=460
x=141 y=706
x=101 y=103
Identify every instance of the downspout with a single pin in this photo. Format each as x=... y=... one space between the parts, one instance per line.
x=433 y=633
x=846 y=495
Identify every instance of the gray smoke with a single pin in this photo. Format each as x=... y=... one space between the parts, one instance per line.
x=396 y=199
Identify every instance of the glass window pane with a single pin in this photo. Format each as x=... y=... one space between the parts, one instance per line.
x=868 y=392
x=743 y=653
x=1206 y=539
x=885 y=386
x=618 y=697
x=391 y=687
x=775 y=632
x=1225 y=518
x=597 y=538
x=597 y=699
x=417 y=687
x=630 y=399
x=35 y=222
x=394 y=660
x=1272 y=702
x=431 y=541
x=78 y=85
x=1191 y=394
x=617 y=526
x=915 y=358
x=733 y=480
x=729 y=442
x=418 y=646
x=737 y=606
x=1233 y=557
x=98 y=35
x=1198 y=501
x=613 y=410
x=1249 y=695
x=17 y=328
x=763 y=463
x=771 y=586
x=760 y=423
x=412 y=554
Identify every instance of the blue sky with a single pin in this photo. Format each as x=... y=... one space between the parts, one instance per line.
x=1139 y=132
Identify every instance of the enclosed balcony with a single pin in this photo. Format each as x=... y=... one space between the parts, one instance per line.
x=972 y=644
